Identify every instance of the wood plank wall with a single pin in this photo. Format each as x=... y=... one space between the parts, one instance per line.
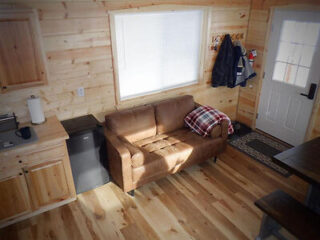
x=257 y=39
x=76 y=38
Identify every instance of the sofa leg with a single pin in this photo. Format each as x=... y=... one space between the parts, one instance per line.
x=215 y=159
x=131 y=193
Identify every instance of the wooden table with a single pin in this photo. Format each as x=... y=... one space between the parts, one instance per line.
x=304 y=161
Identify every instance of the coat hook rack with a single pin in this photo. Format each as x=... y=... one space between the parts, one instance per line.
x=218 y=38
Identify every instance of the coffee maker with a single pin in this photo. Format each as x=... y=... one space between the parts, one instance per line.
x=8 y=122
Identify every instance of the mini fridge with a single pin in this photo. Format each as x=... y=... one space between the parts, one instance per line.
x=87 y=152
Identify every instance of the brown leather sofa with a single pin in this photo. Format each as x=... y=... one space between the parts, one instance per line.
x=148 y=142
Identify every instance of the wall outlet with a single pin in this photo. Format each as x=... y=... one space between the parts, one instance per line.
x=80 y=92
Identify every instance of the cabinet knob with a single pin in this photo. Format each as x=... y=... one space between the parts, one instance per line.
x=26 y=171
x=20 y=161
x=20 y=173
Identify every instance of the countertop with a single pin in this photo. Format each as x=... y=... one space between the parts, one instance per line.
x=48 y=133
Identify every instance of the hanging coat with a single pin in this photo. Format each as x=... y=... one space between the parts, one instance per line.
x=242 y=68
x=222 y=73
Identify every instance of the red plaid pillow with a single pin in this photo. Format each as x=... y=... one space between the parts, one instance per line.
x=204 y=118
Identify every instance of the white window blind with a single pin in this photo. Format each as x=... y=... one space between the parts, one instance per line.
x=156 y=51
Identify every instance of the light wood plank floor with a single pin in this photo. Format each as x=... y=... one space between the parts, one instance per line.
x=206 y=201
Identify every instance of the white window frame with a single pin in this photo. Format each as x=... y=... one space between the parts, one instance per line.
x=205 y=30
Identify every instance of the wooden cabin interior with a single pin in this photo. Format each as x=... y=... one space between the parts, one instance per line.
x=161 y=119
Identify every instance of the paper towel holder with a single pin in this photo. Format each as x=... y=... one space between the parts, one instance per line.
x=44 y=118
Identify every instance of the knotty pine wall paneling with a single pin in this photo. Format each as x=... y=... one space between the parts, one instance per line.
x=76 y=39
x=257 y=38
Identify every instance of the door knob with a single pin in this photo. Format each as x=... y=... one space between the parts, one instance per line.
x=312 y=91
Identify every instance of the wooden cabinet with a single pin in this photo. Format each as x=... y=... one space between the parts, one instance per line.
x=37 y=177
x=22 y=59
x=14 y=198
x=47 y=183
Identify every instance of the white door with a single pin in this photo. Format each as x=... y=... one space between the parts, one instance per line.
x=293 y=64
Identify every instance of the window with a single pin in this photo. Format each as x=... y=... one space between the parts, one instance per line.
x=157 y=50
x=298 y=42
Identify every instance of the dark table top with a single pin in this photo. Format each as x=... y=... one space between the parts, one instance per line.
x=302 y=160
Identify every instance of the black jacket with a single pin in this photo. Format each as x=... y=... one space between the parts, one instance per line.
x=223 y=70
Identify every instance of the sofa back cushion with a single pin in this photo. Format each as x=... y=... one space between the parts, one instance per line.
x=170 y=113
x=133 y=124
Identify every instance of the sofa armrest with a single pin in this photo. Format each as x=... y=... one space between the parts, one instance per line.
x=216 y=131
x=119 y=160
x=137 y=156
x=224 y=129
x=220 y=130
x=196 y=105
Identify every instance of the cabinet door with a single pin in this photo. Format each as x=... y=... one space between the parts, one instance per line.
x=22 y=59
x=14 y=198
x=47 y=183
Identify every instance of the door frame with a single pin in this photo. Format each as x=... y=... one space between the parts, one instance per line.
x=316 y=102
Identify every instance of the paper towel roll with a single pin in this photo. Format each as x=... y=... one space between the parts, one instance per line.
x=35 y=109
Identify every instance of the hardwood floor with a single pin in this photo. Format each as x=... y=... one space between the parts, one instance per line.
x=206 y=201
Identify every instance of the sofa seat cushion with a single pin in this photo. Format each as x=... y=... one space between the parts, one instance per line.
x=163 y=152
x=139 y=156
